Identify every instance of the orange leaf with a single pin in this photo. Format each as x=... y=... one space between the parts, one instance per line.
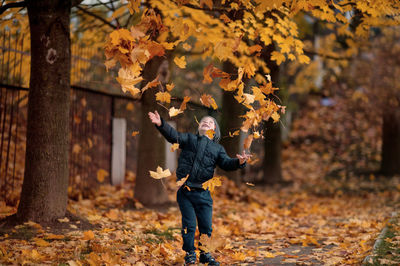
x=206 y=74
x=236 y=133
x=208 y=101
x=248 y=141
x=101 y=174
x=186 y=99
x=182 y=181
x=255 y=48
x=170 y=87
x=151 y=84
x=212 y=183
x=135 y=133
x=210 y=133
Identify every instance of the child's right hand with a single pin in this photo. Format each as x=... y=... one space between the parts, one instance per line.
x=155 y=118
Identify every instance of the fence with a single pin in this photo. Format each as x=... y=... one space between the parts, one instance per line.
x=95 y=100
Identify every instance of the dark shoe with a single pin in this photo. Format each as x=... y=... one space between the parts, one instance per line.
x=208 y=258
x=190 y=258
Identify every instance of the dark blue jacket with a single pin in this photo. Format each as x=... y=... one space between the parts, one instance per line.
x=199 y=156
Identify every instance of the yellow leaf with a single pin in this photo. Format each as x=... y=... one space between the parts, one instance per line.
x=53 y=236
x=160 y=173
x=186 y=46
x=250 y=184
x=275 y=116
x=163 y=97
x=88 y=235
x=174 y=112
x=135 y=133
x=212 y=183
x=41 y=243
x=151 y=84
x=182 y=181
x=101 y=174
x=278 y=57
x=304 y=59
x=180 y=61
x=174 y=147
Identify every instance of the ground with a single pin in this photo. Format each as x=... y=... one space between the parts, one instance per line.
x=294 y=224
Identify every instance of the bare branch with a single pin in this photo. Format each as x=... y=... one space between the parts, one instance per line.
x=12 y=5
x=97 y=17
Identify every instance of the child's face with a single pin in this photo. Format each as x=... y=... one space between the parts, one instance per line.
x=206 y=123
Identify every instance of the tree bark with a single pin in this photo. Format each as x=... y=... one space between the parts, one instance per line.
x=148 y=190
x=44 y=190
x=230 y=121
x=272 y=164
x=390 y=164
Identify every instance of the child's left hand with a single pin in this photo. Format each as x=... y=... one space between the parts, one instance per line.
x=243 y=157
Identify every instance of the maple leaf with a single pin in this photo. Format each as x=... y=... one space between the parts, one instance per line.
x=151 y=84
x=135 y=133
x=208 y=101
x=163 y=97
x=207 y=74
x=255 y=48
x=275 y=116
x=212 y=183
x=174 y=112
x=174 y=147
x=278 y=57
x=180 y=61
x=88 y=235
x=182 y=181
x=160 y=173
x=186 y=99
x=170 y=86
x=210 y=133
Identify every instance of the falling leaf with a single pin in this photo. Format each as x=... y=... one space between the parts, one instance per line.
x=76 y=148
x=164 y=97
x=207 y=74
x=235 y=133
x=212 y=183
x=248 y=141
x=170 y=86
x=182 y=180
x=250 y=184
x=186 y=99
x=208 y=101
x=130 y=107
x=210 y=133
x=101 y=175
x=135 y=133
x=275 y=116
x=180 y=61
x=151 y=84
x=160 y=173
x=174 y=147
x=174 y=112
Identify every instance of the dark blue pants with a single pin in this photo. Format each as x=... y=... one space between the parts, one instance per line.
x=194 y=205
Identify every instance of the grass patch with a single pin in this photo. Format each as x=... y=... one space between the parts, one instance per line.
x=158 y=236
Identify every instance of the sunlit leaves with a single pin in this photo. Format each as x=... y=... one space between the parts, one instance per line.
x=160 y=173
x=164 y=97
x=180 y=61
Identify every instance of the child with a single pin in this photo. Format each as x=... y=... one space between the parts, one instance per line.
x=198 y=159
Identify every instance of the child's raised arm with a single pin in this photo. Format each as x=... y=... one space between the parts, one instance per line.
x=155 y=118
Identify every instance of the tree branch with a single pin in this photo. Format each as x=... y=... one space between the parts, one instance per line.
x=327 y=56
x=75 y=3
x=12 y=5
x=97 y=17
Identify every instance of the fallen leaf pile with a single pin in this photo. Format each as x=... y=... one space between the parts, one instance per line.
x=250 y=224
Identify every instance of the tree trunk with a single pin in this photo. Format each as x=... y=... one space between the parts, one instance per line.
x=272 y=164
x=148 y=190
x=44 y=190
x=390 y=164
x=231 y=112
x=273 y=153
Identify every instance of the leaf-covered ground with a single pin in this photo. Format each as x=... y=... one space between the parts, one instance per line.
x=254 y=225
